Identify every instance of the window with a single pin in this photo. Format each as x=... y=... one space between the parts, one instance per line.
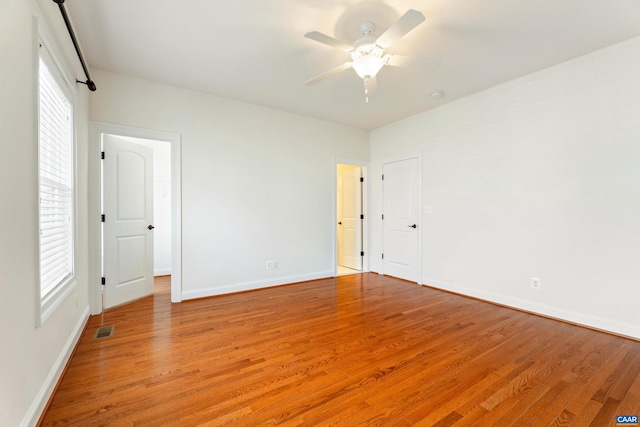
x=56 y=185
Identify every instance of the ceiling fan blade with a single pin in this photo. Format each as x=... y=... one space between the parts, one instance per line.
x=406 y=23
x=370 y=87
x=328 y=40
x=328 y=73
x=412 y=61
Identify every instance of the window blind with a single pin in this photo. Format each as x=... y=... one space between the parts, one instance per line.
x=56 y=183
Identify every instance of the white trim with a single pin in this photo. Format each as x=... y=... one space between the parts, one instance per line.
x=95 y=191
x=36 y=146
x=625 y=329
x=50 y=42
x=366 y=223
x=176 y=219
x=53 y=299
x=94 y=209
x=416 y=155
x=254 y=284
x=162 y=271
x=48 y=386
x=46 y=48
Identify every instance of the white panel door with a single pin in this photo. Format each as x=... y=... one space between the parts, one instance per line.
x=349 y=221
x=400 y=223
x=128 y=225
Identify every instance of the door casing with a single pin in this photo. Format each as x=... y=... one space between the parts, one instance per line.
x=95 y=196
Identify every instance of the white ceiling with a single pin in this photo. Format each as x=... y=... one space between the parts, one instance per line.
x=255 y=50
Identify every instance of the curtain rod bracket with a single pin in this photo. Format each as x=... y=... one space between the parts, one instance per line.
x=90 y=84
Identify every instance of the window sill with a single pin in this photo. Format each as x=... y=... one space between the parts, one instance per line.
x=48 y=305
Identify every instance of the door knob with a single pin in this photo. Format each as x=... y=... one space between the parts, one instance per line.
x=150 y=227
x=412 y=226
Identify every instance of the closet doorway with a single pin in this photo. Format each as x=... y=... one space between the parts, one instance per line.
x=350 y=219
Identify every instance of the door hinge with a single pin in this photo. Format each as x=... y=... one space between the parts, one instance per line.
x=102 y=218
x=361 y=179
x=382 y=256
x=383 y=177
x=102 y=155
x=361 y=253
x=361 y=216
x=382 y=216
x=104 y=281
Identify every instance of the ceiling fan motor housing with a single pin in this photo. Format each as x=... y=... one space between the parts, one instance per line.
x=367 y=28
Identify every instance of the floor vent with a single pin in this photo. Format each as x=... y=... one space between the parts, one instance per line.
x=104 y=332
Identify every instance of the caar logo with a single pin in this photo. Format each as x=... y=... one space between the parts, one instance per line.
x=627 y=419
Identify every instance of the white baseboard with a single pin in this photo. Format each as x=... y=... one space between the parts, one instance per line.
x=49 y=385
x=162 y=272
x=254 y=284
x=624 y=329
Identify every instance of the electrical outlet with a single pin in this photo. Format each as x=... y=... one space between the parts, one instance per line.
x=274 y=263
x=269 y=265
x=535 y=283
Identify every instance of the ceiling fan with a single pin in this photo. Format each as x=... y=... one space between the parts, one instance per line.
x=368 y=54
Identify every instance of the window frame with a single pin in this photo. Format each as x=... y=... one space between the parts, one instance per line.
x=48 y=302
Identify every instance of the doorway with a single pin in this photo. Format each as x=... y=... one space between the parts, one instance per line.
x=350 y=219
x=164 y=221
x=136 y=234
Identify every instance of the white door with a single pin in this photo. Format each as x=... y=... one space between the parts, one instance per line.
x=128 y=224
x=349 y=219
x=400 y=219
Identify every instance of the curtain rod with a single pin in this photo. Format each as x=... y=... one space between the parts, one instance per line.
x=90 y=84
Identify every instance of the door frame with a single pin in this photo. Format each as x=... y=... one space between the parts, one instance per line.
x=95 y=196
x=354 y=172
x=420 y=222
x=365 y=211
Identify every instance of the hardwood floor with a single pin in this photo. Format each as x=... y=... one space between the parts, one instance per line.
x=355 y=350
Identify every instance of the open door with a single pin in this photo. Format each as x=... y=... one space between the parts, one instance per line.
x=128 y=221
x=350 y=218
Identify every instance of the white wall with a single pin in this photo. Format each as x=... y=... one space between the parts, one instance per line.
x=257 y=184
x=32 y=358
x=538 y=177
x=162 y=208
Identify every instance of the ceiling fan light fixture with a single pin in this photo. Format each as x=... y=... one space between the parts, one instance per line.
x=368 y=59
x=367 y=53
